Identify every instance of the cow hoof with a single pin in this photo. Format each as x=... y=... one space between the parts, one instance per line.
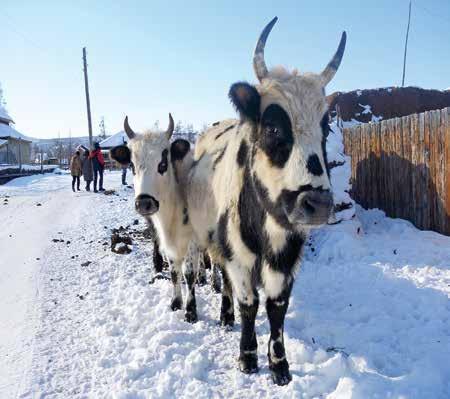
x=175 y=304
x=191 y=317
x=248 y=364
x=227 y=320
x=201 y=281
x=158 y=276
x=280 y=373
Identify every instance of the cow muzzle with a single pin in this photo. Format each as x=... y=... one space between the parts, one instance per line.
x=146 y=205
x=312 y=208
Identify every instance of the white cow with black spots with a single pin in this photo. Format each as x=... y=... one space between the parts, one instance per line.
x=161 y=170
x=258 y=185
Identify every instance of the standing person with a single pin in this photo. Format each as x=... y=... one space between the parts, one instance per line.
x=75 y=170
x=124 y=174
x=98 y=165
x=124 y=170
x=88 y=173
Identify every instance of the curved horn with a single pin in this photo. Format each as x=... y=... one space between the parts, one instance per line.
x=330 y=70
x=131 y=135
x=169 y=130
x=259 y=65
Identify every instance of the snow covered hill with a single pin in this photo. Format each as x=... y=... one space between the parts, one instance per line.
x=369 y=315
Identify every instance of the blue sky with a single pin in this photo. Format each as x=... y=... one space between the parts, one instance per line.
x=147 y=58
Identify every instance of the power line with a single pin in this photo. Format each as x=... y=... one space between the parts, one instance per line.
x=406 y=46
x=26 y=38
x=431 y=14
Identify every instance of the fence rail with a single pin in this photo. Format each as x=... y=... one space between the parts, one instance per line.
x=402 y=166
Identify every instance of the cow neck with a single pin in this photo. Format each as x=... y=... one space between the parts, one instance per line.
x=170 y=208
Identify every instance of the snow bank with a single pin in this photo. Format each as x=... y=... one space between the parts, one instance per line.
x=340 y=175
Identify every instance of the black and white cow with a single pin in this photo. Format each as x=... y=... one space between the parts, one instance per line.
x=256 y=187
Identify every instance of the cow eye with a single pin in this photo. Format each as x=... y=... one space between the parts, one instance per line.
x=163 y=164
x=276 y=131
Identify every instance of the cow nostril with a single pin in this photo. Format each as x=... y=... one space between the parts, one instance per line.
x=309 y=207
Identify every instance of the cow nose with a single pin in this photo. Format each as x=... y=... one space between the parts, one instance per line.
x=146 y=204
x=316 y=205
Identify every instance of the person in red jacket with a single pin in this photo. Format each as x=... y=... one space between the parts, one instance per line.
x=98 y=164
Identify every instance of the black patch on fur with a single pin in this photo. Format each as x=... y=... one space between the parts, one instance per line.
x=324 y=124
x=158 y=261
x=190 y=279
x=219 y=157
x=252 y=216
x=178 y=149
x=163 y=164
x=276 y=138
x=275 y=209
x=313 y=165
x=242 y=154
x=284 y=261
x=222 y=234
x=121 y=154
x=174 y=276
x=248 y=336
x=216 y=123
x=185 y=216
x=278 y=349
x=226 y=130
x=210 y=235
x=246 y=100
x=226 y=305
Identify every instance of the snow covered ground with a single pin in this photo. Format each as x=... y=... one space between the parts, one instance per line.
x=369 y=315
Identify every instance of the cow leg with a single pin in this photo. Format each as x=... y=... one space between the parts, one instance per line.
x=215 y=277
x=158 y=261
x=175 y=275
x=248 y=300
x=201 y=280
x=277 y=292
x=227 y=308
x=190 y=271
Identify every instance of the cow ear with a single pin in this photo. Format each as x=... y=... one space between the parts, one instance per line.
x=121 y=154
x=246 y=100
x=178 y=149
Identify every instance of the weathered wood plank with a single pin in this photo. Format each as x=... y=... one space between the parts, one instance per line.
x=402 y=166
x=447 y=171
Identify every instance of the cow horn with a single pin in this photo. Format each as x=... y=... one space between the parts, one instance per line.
x=128 y=130
x=330 y=70
x=259 y=65
x=169 y=130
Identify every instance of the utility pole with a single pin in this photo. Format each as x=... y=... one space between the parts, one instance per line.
x=88 y=102
x=406 y=45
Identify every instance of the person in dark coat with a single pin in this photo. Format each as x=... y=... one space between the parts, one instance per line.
x=98 y=165
x=86 y=165
x=75 y=170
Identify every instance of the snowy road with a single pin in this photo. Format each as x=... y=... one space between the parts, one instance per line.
x=369 y=316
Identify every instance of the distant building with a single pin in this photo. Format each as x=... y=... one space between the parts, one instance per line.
x=15 y=147
x=110 y=142
x=114 y=140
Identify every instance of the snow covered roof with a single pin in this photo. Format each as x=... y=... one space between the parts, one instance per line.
x=8 y=131
x=116 y=139
x=4 y=115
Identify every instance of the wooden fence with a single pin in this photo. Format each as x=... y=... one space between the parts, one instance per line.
x=402 y=166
